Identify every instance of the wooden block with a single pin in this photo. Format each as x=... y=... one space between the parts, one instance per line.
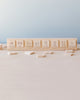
x=37 y=44
x=54 y=44
x=72 y=44
x=63 y=43
x=41 y=55
x=69 y=51
x=12 y=53
x=19 y=43
x=45 y=43
x=28 y=43
x=29 y=52
x=11 y=43
x=49 y=52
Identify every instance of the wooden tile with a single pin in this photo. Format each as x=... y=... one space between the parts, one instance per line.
x=19 y=43
x=72 y=44
x=54 y=44
x=45 y=43
x=11 y=44
x=36 y=43
x=63 y=43
x=28 y=43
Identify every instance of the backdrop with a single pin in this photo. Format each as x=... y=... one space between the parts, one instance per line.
x=39 y=19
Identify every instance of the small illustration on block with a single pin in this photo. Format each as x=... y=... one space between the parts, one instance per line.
x=72 y=44
x=54 y=43
x=19 y=43
x=45 y=43
x=28 y=43
x=11 y=44
x=37 y=44
x=63 y=43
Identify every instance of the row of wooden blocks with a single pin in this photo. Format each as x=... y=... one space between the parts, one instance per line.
x=42 y=44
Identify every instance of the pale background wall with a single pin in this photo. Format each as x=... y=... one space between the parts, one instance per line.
x=39 y=18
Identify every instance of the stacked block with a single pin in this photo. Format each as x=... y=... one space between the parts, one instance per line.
x=42 y=44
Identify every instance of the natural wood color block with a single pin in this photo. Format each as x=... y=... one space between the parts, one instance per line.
x=55 y=43
x=69 y=51
x=19 y=43
x=12 y=53
x=37 y=44
x=28 y=43
x=41 y=55
x=49 y=52
x=63 y=43
x=45 y=44
x=72 y=43
x=29 y=52
x=11 y=44
x=72 y=54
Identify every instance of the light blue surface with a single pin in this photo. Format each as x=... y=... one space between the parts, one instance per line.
x=39 y=19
